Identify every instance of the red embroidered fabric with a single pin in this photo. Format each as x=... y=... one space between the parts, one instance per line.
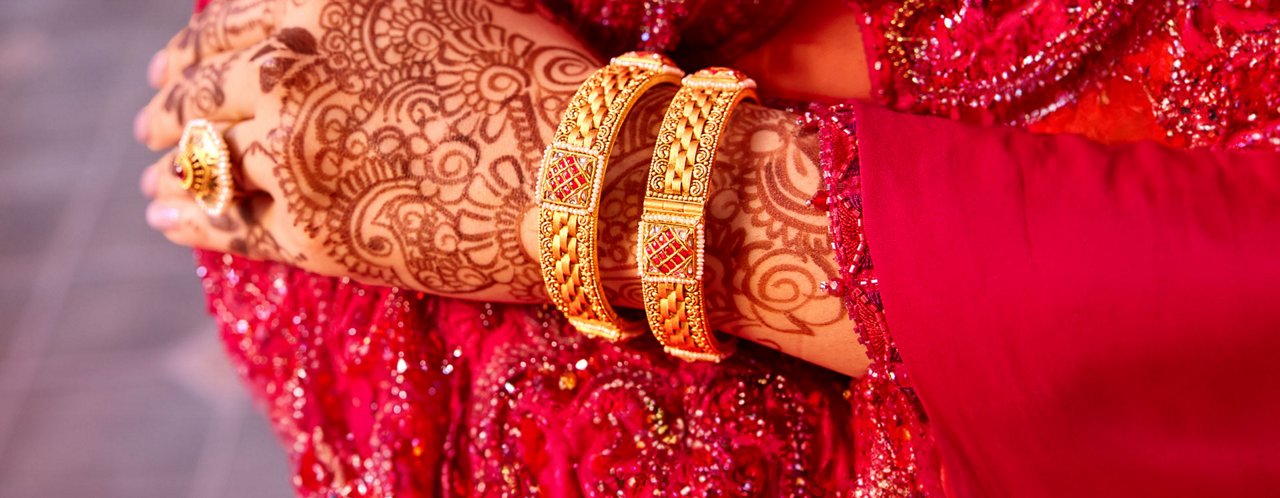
x=1080 y=319
x=379 y=392
x=1197 y=74
x=696 y=33
x=1185 y=74
x=895 y=455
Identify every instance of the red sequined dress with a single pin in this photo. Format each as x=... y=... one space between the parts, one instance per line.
x=383 y=392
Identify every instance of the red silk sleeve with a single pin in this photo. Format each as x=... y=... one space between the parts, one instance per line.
x=1081 y=320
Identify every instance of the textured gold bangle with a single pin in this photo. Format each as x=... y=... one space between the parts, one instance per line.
x=569 y=184
x=671 y=242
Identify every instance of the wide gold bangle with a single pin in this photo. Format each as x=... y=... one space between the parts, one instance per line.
x=569 y=185
x=672 y=241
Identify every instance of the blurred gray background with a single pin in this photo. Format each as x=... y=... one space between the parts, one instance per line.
x=112 y=379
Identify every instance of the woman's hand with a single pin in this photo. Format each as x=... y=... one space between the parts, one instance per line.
x=394 y=142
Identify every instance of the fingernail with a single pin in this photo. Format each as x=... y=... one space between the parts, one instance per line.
x=148 y=182
x=161 y=217
x=141 y=128
x=156 y=69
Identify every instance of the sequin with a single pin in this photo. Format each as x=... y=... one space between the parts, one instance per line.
x=426 y=400
x=382 y=392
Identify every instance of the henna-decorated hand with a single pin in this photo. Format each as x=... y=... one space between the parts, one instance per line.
x=390 y=141
x=395 y=142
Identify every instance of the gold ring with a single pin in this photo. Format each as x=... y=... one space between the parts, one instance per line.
x=204 y=165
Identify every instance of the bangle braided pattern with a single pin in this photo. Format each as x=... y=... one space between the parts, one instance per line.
x=569 y=185
x=672 y=238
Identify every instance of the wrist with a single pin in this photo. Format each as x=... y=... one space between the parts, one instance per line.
x=622 y=200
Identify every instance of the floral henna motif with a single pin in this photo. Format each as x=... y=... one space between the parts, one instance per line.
x=407 y=139
x=760 y=228
x=199 y=93
x=767 y=250
x=221 y=25
x=219 y=29
x=404 y=150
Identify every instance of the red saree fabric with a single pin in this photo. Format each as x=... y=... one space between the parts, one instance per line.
x=380 y=392
x=1076 y=320
x=1081 y=320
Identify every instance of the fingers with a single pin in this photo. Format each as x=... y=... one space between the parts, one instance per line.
x=241 y=230
x=251 y=166
x=165 y=183
x=223 y=26
x=157 y=67
x=153 y=174
x=224 y=88
x=249 y=225
x=251 y=161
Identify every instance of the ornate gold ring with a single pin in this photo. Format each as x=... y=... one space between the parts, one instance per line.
x=204 y=165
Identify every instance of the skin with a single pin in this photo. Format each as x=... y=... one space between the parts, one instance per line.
x=398 y=146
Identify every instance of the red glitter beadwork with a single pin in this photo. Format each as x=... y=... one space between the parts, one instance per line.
x=381 y=392
x=895 y=449
x=1007 y=62
x=1218 y=79
x=377 y=392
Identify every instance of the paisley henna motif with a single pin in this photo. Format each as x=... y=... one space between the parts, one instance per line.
x=403 y=144
x=768 y=250
x=773 y=247
x=406 y=136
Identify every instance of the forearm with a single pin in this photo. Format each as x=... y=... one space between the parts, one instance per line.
x=767 y=250
x=414 y=166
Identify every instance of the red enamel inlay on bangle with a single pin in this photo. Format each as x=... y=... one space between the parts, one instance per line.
x=568 y=179
x=667 y=252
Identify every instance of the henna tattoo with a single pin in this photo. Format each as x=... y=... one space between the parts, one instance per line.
x=222 y=26
x=620 y=202
x=256 y=241
x=776 y=246
x=767 y=250
x=199 y=93
x=407 y=136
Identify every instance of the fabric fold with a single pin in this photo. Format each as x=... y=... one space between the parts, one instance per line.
x=1078 y=319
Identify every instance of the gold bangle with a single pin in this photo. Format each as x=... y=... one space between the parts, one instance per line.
x=672 y=241
x=569 y=184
